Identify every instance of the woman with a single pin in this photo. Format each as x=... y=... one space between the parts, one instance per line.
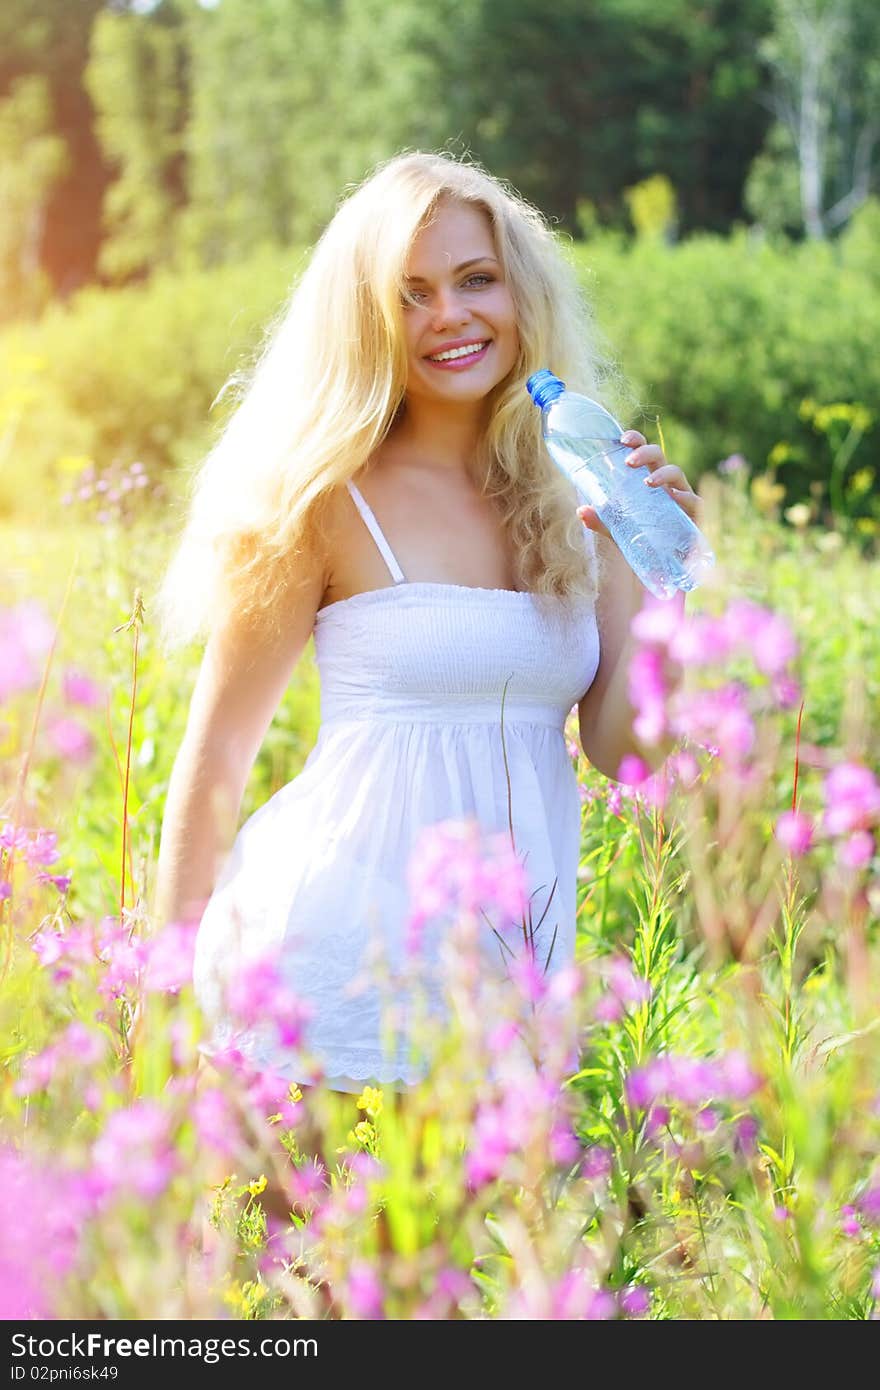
x=384 y=485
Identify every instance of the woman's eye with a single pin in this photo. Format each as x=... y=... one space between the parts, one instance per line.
x=419 y=296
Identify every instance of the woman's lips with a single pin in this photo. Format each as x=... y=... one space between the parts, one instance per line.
x=460 y=364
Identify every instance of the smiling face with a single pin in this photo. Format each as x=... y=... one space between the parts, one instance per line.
x=463 y=309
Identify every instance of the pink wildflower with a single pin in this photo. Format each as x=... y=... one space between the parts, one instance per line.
x=455 y=869
x=26 y=633
x=739 y=1079
x=632 y=770
x=647 y=694
x=597 y=1162
x=786 y=691
x=575 y=1297
x=564 y=1146
x=214 y=1121
x=71 y=740
x=527 y=973
x=37 y=1072
x=270 y=1092
x=134 y=1155
x=742 y=618
x=491 y=1144
x=852 y=798
x=124 y=956
x=856 y=851
x=635 y=1301
x=722 y=713
x=64 y=950
x=691 y=1081
x=684 y=766
x=43 y=1211
x=659 y=1118
x=734 y=463
x=170 y=957
x=61 y=881
x=614 y=798
x=745 y=1131
x=629 y=986
x=364 y=1291
x=609 y=1009
x=656 y=622
x=869 y=1205
x=17 y=671
x=773 y=645
x=43 y=848
x=700 y=640
x=80 y=689
x=794 y=831
x=257 y=994
x=13 y=838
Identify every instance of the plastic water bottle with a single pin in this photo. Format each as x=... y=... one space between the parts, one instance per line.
x=659 y=540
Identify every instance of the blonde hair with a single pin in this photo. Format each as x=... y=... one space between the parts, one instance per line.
x=331 y=378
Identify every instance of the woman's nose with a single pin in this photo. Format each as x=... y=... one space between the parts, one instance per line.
x=450 y=308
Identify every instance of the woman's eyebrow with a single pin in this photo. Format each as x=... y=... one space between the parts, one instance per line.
x=475 y=260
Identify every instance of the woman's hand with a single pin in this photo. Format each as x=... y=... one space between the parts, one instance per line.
x=661 y=474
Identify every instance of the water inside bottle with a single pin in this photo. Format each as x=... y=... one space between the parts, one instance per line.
x=633 y=513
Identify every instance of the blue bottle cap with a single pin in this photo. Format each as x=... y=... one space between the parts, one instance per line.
x=544 y=387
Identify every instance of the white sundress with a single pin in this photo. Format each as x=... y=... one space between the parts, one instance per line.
x=411 y=680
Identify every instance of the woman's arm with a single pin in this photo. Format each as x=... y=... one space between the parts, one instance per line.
x=605 y=715
x=240 y=684
x=198 y=827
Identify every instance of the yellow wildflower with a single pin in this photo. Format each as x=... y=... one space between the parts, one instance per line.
x=370 y=1100
x=779 y=453
x=861 y=482
x=766 y=494
x=258 y=1185
x=845 y=413
x=73 y=463
x=234 y=1296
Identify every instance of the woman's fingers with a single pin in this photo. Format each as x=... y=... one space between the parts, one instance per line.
x=590 y=519
x=650 y=454
x=661 y=473
x=689 y=502
x=667 y=475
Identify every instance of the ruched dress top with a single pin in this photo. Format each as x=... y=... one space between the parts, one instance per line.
x=411 y=681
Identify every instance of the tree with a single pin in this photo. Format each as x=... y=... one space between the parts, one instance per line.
x=825 y=59
x=31 y=158
x=135 y=77
x=54 y=232
x=263 y=135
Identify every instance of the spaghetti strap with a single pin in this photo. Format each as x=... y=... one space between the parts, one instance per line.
x=375 y=531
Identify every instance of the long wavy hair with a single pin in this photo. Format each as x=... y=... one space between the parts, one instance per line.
x=329 y=382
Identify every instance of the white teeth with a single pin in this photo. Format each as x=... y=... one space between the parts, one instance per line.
x=468 y=351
